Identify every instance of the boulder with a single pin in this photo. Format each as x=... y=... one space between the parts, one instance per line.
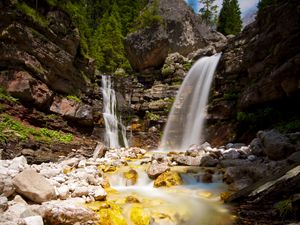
x=276 y=145
x=180 y=30
x=33 y=186
x=147 y=48
x=187 y=160
x=34 y=220
x=208 y=161
x=271 y=188
x=156 y=169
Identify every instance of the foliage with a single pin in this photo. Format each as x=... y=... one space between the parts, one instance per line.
x=289 y=127
x=102 y=25
x=208 y=11
x=187 y=66
x=256 y=118
x=151 y=116
x=284 y=207
x=13 y=129
x=34 y=14
x=263 y=4
x=148 y=17
x=6 y=96
x=229 y=21
x=75 y=98
x=231 y=95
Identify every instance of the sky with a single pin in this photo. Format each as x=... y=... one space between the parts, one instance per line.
x=245 y=5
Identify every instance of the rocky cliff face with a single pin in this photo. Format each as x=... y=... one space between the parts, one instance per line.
x=179 y=30
x=257 y=84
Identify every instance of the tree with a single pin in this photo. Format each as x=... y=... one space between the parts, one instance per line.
x=229 y=21
x=208 y=11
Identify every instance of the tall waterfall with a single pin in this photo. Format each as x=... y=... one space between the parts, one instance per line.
x=115 y=132
x=186 y=119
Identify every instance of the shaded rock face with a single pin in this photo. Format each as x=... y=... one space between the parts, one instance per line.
x=258 y=75
x=180 y=31
x=49 y=55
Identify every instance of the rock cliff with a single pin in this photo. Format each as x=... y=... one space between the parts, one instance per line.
x=257 y=83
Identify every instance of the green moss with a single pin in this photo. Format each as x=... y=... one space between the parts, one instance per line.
x=6 y=96
x=167 y=70
x=36 y=17
x=12 y=129
x=75 y=98
x=187 y=66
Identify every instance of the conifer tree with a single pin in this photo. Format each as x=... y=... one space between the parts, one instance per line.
x=208 y=11
x=229 y=21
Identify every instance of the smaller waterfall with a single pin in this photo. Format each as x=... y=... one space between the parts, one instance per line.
x=115 y=132
x=186 y=119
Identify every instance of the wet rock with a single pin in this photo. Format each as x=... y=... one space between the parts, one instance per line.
x=156 y=169
x=251 y=158
x=256 y=147
x=33 y=186
x=159 y=157
x=207 y=178
x=208 y=161
x=131 y=177
x=187 y=160
x=168 y=179
x=99 y=194
x=231 y=154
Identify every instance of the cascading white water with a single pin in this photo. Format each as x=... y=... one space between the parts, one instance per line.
x=186 y=119
x=115 y=132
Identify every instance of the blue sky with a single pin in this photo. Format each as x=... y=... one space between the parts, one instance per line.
x=245 y=5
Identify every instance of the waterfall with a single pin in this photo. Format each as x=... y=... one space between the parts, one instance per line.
x=115 y=132
x=186 y=119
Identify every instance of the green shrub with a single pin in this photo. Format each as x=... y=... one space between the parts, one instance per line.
x=231 y=95
x=289 y=127
x=263 y=4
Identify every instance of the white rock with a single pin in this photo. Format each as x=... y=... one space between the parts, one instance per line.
x=82 y=163
x=50 y=172
x=63 y=192
x=18 y=164
x=80 y=191
x=34 y=186
x=34 y=220
x=3 y=203
x=99 y=194
x=60 y=178
x=231 y=154
x=70 y=162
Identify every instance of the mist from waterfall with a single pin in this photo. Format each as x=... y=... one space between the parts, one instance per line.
x=186 y=119
x=115 y=132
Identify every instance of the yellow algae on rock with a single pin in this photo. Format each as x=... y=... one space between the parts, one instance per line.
x=68 y=169
x=131 y=177
x=110 y=213
x=168 y=179
x=224 y=196
x=107 y=168
x=140 y=216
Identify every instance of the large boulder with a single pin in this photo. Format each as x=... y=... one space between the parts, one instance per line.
x=180 y=30
x=34 y=186
x=155 y=169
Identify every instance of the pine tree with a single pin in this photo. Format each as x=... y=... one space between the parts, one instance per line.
x=208 y=11
x=230 y=21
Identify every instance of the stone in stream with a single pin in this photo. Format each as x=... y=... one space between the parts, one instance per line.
x=187 y=160
x=155 y=169
x=34 y=186
x=168 y=179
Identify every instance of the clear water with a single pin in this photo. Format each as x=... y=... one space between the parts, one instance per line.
x=115 y=132
x=186 y=119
